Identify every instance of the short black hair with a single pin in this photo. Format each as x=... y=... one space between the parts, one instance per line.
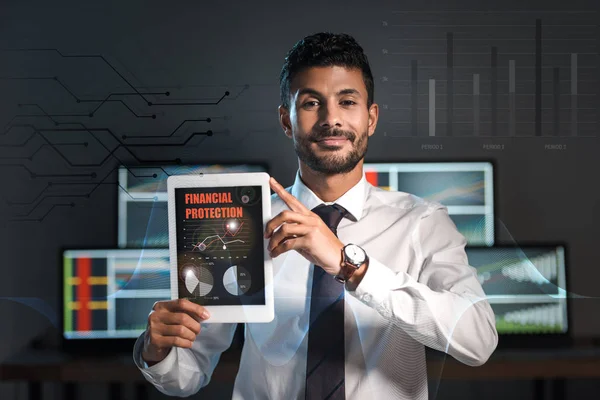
x=322 y=50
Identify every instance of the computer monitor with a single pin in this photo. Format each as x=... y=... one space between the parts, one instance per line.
x=143 y=217
x=466 y=188
x=108 y=294
x=525 y=285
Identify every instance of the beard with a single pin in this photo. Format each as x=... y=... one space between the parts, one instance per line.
x=331 y=163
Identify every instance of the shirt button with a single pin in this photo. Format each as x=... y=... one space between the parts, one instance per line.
x=383 y=311
x=367 y=297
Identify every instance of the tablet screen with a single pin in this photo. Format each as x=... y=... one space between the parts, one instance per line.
x=220 y=253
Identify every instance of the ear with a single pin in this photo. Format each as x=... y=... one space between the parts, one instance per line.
x=284 y=121
x=373 y=118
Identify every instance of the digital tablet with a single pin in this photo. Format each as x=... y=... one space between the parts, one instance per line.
x=218 y=253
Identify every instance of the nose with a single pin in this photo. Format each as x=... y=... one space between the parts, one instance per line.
x=330 y=116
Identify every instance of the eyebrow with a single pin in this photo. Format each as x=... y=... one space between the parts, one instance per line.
x=318 y=94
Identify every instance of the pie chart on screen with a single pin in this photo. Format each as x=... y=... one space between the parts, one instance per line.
x=198 y=281
x=237 y=280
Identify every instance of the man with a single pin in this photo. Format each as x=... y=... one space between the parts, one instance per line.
x=402 y=279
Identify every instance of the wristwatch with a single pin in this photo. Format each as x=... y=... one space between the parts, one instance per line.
x=353 y=257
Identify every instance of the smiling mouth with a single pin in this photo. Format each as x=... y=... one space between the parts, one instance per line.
x=333 y=141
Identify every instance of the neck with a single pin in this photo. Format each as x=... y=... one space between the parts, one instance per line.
x=330 y=187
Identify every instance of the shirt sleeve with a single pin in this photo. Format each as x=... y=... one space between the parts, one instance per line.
x=184 y=371
x=444 y=307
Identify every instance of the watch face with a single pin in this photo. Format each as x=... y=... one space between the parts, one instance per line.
x=355 y=254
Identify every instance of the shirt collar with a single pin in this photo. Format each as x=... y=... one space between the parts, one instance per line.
x=353 y=200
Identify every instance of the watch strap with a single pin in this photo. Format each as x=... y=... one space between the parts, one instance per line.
x=347 y=269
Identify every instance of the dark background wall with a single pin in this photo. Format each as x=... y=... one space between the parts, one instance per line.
x=59 y=190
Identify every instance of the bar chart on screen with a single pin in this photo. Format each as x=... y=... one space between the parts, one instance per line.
x=491 y=74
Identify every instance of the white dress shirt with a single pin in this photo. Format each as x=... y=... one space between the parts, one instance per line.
x=418 y=291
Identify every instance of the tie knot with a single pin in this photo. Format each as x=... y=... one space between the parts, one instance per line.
x=330 y=214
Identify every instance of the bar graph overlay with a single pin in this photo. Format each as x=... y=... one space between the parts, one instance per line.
x=491 y=73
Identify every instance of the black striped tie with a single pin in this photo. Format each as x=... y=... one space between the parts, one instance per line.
x=325 y=358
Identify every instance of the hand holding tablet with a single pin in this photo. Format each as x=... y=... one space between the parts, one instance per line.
x=171 y=323
x=216 y=244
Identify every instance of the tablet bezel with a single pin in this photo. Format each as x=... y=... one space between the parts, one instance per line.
x=225 y=313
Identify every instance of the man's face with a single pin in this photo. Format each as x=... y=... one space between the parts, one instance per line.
x=328 y=118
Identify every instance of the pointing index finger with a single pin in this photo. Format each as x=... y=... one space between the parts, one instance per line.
x=292 y=202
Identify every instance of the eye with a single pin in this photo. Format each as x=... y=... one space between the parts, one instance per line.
x=348 y=102
x=310 y=104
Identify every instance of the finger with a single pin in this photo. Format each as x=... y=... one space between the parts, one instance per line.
x=179 y=305
x=180 y=318
x=176 y=330
x=287 y=231
x=286 y=216
x=292 y=202
x=287 y=245
x=164 y=342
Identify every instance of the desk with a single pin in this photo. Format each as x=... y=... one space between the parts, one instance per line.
x=36 y=366
x=538 y=366
x=523 y=364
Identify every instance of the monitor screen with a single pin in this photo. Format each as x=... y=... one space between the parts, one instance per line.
x=109 y=293
x=466 y=188
x=143 y=215
x=525 y=286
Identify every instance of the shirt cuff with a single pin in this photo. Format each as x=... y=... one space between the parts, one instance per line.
x=376 y=284
x=154 y=372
